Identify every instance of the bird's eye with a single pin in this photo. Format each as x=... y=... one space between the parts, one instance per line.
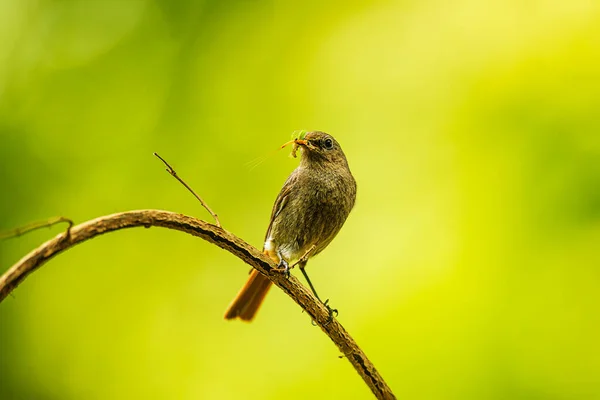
x=328 y=143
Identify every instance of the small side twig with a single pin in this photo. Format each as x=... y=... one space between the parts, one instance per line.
x=304 y=257
x=171 y=171
x=36 y=225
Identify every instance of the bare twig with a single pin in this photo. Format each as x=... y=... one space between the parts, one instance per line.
x=304 y=257
x=216 y=235
x=171 y=171
x=36 y=225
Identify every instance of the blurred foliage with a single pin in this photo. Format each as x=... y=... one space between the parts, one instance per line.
x=468 y=269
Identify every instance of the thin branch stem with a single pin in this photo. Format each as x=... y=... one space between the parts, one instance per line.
x=171 y=171
x=304 y=257
x=215 y=235
x=35 y=225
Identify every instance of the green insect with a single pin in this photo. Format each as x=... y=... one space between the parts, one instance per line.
x=296 y=135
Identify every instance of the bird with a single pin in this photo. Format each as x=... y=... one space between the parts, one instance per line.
x=308 y=213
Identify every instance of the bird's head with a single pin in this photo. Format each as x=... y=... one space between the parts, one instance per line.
x=321 y=148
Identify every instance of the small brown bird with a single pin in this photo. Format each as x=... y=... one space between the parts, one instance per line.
x=308 y=212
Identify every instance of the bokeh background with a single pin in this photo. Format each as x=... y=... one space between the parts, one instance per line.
x=469 y=268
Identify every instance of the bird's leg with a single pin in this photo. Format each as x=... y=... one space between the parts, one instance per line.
x=333 y=312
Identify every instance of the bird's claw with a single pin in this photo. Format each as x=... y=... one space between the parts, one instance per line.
x=283 y=267
x=333 y=312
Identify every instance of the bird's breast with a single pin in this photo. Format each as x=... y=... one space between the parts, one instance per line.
x=318 y=206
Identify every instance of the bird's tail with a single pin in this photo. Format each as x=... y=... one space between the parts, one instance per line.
x=248 y=300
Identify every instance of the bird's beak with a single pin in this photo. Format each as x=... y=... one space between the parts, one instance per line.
x=301 y=142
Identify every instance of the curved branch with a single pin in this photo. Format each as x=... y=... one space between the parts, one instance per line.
x=218 y=236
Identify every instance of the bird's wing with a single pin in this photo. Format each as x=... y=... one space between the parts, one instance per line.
x=281 y=201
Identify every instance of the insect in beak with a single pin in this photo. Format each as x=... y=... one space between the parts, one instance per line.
x=296 y=143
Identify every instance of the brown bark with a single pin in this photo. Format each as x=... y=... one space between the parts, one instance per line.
x=218 y=236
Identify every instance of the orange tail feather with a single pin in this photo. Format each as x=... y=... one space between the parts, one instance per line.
x=249 y=298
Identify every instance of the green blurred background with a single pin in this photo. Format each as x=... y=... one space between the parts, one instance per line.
x=467 y=270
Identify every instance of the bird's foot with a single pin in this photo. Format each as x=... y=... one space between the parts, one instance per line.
x=333 y=312
x=283 y=267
